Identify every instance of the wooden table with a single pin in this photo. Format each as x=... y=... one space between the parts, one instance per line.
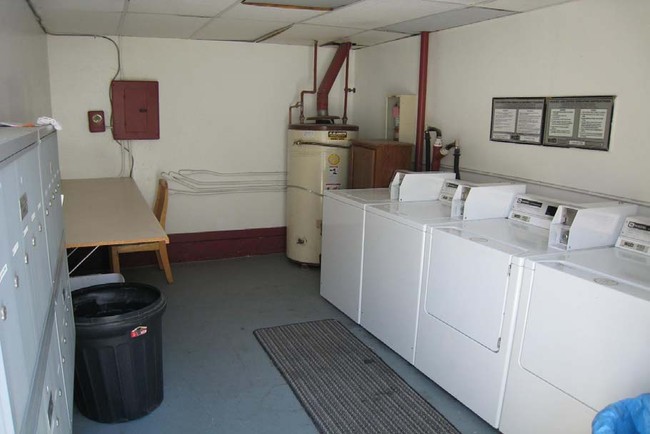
x=107 y=212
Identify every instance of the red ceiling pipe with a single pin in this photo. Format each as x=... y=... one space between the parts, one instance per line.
x=322 y=95
x=302 y=94
x=422 y=99
x=345 y=91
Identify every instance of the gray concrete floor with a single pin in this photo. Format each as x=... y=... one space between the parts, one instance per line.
x=217 y=378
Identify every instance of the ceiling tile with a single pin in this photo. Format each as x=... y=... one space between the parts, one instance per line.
x=372 y=37
x=198 y=8
x=160 y=26
x=237 y=30
x=447 y=20
x=261 y=13
x=310 y=3
x=460 y=2
x=521 y=5
x=79 y=5
x=370 y=14
x=80 y=22
x=306 y=34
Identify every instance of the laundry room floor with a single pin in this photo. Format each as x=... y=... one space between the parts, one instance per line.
x=217 y=378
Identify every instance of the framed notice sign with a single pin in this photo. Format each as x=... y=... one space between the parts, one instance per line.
x=517 y=120
x=579 y=122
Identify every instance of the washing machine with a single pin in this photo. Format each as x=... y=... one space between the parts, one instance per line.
x=582 y=335
x=393 y=255
x=471 y=288
x=344 y=218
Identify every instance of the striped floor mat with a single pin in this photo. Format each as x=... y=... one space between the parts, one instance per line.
x=343 y=385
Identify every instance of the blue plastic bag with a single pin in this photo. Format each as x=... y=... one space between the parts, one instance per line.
x=629 y=416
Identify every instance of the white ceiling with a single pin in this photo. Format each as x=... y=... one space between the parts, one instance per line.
x=362 y=22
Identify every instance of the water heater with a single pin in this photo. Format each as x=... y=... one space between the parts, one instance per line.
x=317 y=160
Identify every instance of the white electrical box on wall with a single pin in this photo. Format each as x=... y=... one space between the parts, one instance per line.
x=400 y=118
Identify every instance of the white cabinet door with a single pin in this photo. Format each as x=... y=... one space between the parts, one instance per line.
x=467 y=285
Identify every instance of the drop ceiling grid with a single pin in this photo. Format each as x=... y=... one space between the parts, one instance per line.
x=232 y=20
x=311 y=3
x=160 y=26
x=373 y=37
x=371 y=14
x=80 y=5
x=81 y=22
x=447 y=20
x=520 y=6
x=463 y=2
x=237 y=30
x=305 y=34
x=199 y=8
x=260 y=13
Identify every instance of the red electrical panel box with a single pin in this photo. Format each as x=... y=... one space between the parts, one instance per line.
x=135 y=110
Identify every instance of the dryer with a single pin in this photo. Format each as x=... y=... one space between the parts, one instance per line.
x=582 y=334
x=394 y=254
x=471 y=288
x=344 y=218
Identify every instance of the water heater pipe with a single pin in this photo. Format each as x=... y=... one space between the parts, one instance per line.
x=302 y=94
x=422 y=99
x=428 y=160
x=322 y=102
x=345 y=91
x=440 y=151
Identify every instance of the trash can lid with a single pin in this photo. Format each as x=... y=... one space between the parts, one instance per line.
x=116 y=303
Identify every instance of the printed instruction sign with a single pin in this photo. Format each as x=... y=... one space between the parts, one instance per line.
x=517 y=120
x=579 y=122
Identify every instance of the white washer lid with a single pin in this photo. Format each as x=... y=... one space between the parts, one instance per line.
x=609 y=266
x=361 y=198
x=415 y=214
x=512 y=237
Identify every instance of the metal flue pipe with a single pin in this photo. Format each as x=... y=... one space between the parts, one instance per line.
x=322 y=96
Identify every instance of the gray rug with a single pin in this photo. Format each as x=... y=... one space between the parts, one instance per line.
x=343 y=385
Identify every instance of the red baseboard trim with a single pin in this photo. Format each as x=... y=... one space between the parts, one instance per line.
x=204 y=246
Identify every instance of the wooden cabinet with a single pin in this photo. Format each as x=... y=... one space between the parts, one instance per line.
x=373 y=162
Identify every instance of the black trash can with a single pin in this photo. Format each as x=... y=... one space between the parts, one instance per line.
x=118 y=361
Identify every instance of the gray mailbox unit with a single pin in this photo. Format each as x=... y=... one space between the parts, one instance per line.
x=37 y=331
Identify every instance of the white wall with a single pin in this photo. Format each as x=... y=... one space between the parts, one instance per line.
x=223 y=107
x=586 y=47
x=388 y=69
x=24 y=81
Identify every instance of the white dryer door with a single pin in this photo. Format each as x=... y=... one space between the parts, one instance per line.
x=467 y=285
x=586 y=338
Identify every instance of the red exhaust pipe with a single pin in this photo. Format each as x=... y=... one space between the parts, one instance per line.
x=322 y=96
